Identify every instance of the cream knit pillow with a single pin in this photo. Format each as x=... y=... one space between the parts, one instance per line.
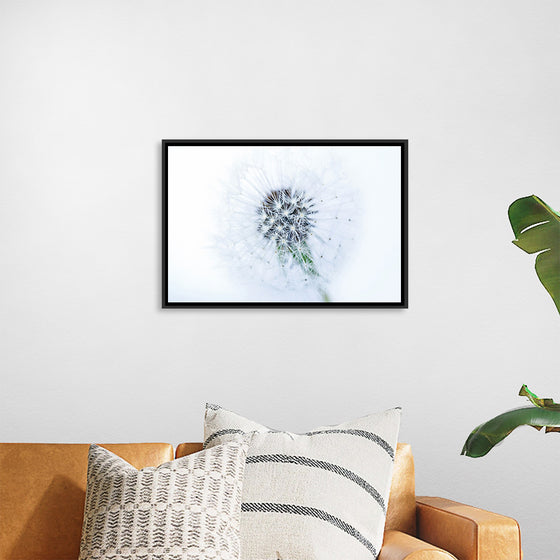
x=187 y=509
x=321 y=495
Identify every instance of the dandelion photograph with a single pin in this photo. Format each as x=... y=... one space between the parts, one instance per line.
x=284 y=223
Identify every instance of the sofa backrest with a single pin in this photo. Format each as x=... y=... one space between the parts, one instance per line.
x=42 y=493
x=401 y=510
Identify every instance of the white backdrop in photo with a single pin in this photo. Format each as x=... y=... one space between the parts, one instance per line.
x=199 y=264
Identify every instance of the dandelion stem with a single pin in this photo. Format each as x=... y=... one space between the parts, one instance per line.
x=305 y=261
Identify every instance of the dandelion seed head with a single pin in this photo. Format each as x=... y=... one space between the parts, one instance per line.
x=280 y=215
x=287 y=209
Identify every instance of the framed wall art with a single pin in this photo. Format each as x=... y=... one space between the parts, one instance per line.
x=277 y=223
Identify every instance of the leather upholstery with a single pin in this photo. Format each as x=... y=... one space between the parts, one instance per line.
x=400 y=546
x=401 y=509
x=42 y=492
x=187 y=448
x=467 y=532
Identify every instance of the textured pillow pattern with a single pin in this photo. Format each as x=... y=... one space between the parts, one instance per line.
x=321 y=495
x=182 y=510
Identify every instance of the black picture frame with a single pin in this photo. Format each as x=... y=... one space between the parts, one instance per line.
x=402 y=303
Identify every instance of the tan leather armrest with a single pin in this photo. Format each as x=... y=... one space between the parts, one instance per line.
x=400 y=546
x=467 y=532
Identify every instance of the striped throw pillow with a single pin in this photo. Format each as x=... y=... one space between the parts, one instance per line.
x=187 y=509
x=321 y=495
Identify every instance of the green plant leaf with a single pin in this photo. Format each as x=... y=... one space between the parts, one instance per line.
x=537 y=401
x=543 y=413
x=483 y=438
x=536 y=227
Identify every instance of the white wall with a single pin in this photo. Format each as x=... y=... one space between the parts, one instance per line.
x=90 y=88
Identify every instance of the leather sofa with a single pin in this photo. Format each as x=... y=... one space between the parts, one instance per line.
x=42 y=492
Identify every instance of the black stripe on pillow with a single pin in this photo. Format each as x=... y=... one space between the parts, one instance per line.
x=312 y=512
x=315 y=463
x=221 y=433
x=360 y=433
